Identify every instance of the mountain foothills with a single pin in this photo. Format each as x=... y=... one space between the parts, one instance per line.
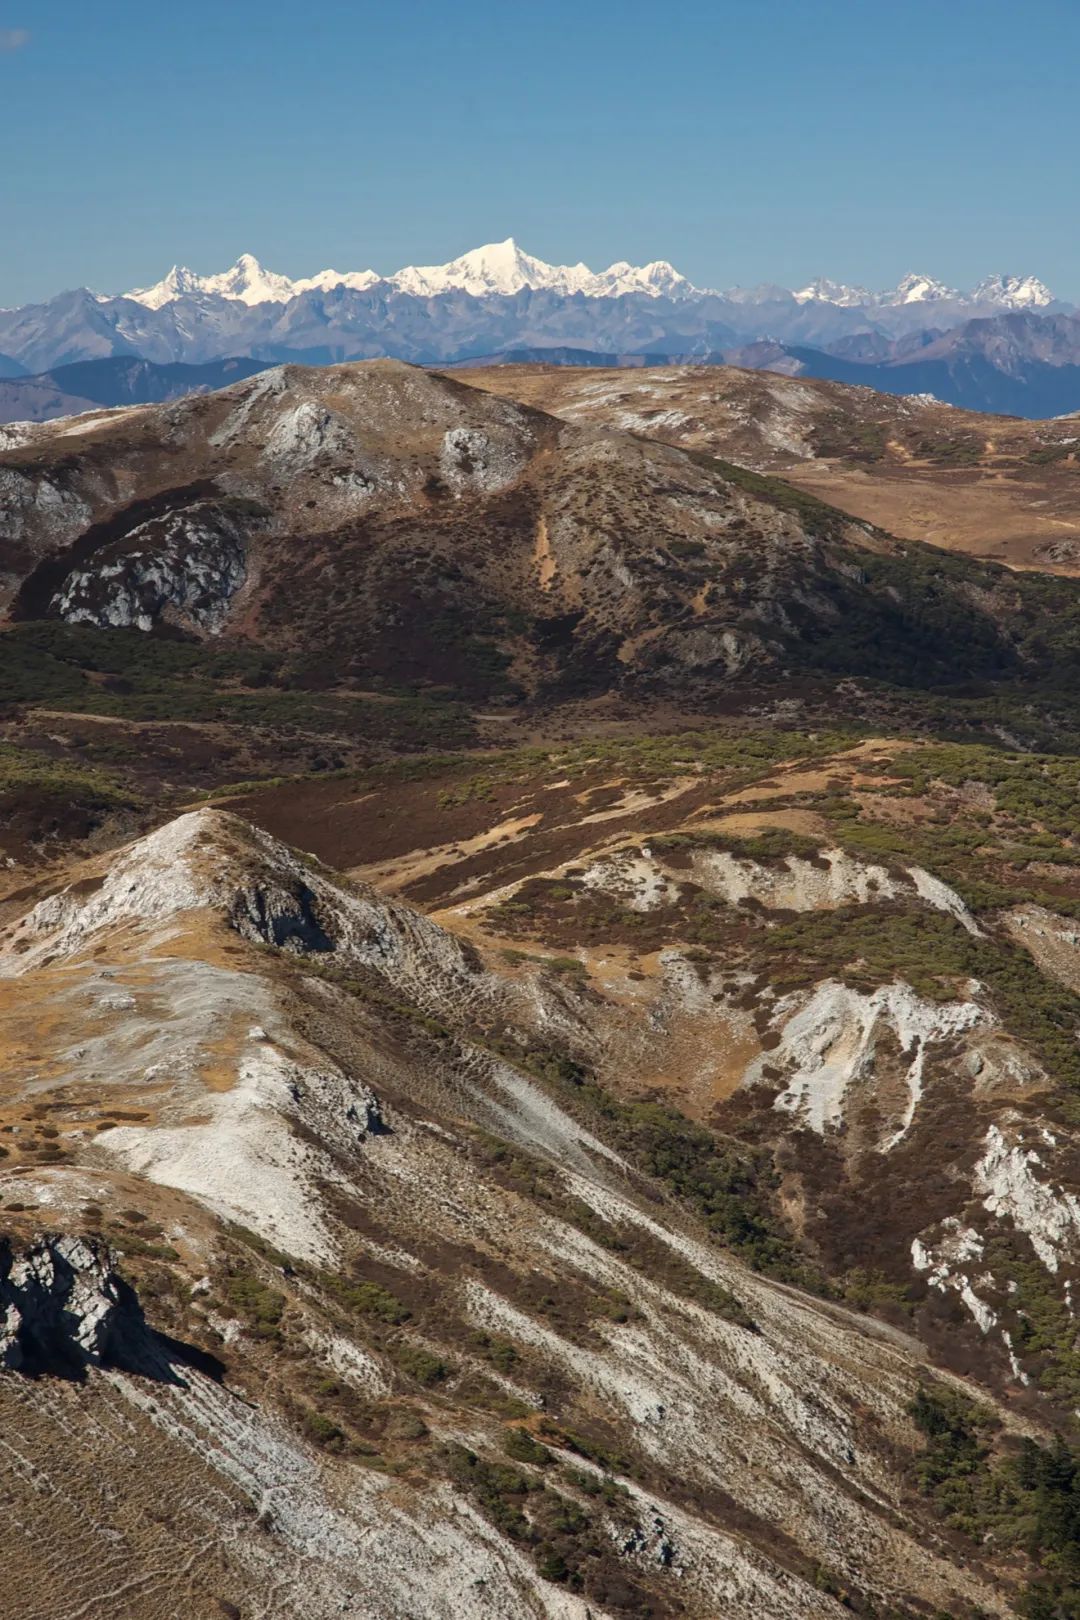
x=1008 y=344
x=541 y=997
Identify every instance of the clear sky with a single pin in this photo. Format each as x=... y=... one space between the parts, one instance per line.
x=745 y=140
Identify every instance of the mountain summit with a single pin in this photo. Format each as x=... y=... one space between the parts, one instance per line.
x=246 y=281
x=497 y=267
x=1013 y=292
x=996 y=291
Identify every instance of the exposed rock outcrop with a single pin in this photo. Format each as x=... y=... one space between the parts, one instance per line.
x=187 y=565
x=64 y=1307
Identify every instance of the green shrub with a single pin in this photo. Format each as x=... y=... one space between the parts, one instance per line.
x=261 y=1306
x=500 y=1352
x=1029 y=1500
x=520 y=1446
x=322 y=1430
x=420 y=1364
x=370 y=1299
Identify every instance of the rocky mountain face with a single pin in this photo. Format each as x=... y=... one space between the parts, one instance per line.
x=539 y=1009
x=344 y=1216
x=382 y=526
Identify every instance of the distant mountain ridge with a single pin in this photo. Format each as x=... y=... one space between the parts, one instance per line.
x=498 y=269
x=105 y=384
x=498 y=299
x=501 y=269
x=1018 y=364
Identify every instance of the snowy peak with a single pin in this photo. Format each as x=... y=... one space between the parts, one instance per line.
x=1002 y=292
x=247 y=282
x=498 y=267
x=918 y=289
x=911 y=289
x=1013 y=292
x=824 y=291
x=177 y=284
x=504 y=269
x=659 y=279
x=327 y=280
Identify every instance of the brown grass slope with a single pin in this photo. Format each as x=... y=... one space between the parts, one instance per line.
x=994 y=487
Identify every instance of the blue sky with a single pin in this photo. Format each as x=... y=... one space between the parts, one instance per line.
x=745 y=140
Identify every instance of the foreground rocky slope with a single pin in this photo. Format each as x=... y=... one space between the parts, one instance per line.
x=858 y=958
x=353 y=1220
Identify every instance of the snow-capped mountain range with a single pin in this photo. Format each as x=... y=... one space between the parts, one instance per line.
x=998 y=292
x=498 y=269
x=502 y=269
x=500 y=300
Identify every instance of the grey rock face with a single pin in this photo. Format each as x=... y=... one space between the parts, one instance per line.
x=191 y=562
x=62 y=1306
